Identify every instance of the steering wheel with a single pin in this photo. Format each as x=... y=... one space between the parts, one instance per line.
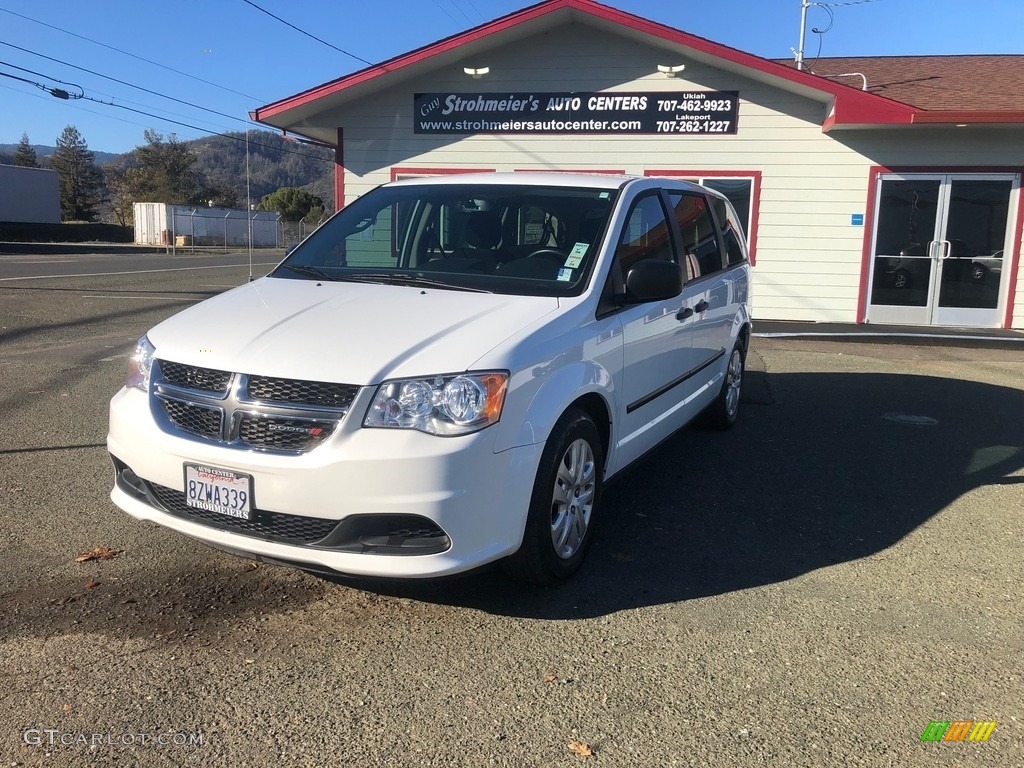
x=552 y=254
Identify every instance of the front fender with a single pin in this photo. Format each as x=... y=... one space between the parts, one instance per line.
x=539 y=395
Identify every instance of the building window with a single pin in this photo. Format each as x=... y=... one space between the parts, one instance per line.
x=398 y=173
x=741 y=188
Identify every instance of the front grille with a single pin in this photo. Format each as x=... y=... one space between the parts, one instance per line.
x=290 y=529
x=262 y=413
x=194 y=419
x=192 y=377
x=283 y=434
x=301 y=392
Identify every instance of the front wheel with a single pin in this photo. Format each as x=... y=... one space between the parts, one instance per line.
x=725 y=409
x=566 y=495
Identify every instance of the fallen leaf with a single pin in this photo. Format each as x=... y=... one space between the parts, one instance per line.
x=580 y=748
x=66 y=707
x=97 y=553
x=251 y=566
x=66 y=600
x=92 y=584
x=250 y=661
x=549 y=678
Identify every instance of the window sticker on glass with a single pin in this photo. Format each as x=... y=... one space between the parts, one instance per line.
x=564 y=275
x=604 y=195
x=576 y=255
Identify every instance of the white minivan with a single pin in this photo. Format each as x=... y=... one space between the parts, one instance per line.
x=442 y=375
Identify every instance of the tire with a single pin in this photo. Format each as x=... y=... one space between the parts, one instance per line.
x=725 y=410
x=566 y=497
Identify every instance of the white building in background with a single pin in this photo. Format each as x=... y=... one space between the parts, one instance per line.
x=875 y=190
x=29 y=195
x=186 y=225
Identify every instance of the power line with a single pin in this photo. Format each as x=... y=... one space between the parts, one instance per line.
x=307 y=34
x=122 y=82
x=45 y=77
x=446 y=12
x=851 y=2
x=134 y=56
x=80 y=108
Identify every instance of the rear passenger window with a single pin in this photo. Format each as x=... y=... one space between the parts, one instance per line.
x=734 y=247
x=700 y=252
x=646 y=235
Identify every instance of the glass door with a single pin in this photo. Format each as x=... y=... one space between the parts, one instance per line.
x=940 y=242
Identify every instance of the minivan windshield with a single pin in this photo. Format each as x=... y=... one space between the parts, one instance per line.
x=512 y=239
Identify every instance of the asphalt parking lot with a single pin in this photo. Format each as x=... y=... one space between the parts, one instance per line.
x=812 y=588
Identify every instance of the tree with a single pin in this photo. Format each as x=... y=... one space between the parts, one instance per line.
x=119 y=193
x=80 y=181
x=25 y=155
x=165 y=172
x=293 y=204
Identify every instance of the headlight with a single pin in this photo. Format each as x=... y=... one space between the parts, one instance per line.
x=140 y=365
x=439 y=405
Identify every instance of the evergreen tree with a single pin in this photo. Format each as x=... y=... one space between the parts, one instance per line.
x=165 y=171
x=293 y=204
x=80 y=181
x=25 y=155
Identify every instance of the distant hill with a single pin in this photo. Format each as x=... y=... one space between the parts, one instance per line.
x=274 y=162
x=43 y=151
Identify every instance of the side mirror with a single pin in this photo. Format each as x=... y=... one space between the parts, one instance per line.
x=653 y=280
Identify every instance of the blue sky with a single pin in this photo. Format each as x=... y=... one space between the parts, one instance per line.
x=256 y=59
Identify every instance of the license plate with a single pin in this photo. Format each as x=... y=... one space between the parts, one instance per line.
x=218 y=490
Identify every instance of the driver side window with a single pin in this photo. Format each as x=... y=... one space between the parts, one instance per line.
x=646 y=234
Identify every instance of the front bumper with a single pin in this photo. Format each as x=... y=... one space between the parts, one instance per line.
x=336 y=495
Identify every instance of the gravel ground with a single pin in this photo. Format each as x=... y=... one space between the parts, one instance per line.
x=809 y=589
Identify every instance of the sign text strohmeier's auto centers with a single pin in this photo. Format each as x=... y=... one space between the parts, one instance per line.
x=649 y=112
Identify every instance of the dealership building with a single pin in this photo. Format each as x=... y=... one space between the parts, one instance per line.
x=881 y=190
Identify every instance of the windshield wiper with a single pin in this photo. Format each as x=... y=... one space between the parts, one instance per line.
x=404 y=279
x=302 y=269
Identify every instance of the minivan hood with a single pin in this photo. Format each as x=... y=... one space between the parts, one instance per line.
x=353 y=333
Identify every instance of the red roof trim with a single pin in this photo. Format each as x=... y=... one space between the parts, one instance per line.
x=852 y=105
x=922 y=116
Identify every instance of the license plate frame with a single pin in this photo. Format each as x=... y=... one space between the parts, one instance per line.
x=224 y=491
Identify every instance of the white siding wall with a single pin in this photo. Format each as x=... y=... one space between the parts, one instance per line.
x=808 y=253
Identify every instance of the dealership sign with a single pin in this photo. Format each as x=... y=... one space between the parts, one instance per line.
x=614 y=114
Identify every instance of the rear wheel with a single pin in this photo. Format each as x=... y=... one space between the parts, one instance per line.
x=725 y=409
x=566 y=494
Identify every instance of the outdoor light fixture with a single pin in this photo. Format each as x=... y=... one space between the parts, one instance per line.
x=671 y=71
x=476 y=74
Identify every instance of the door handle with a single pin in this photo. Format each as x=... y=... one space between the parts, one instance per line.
x=684 y=313
x=702 y=306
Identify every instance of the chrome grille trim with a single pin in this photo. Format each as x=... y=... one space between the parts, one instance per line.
x=248 y=423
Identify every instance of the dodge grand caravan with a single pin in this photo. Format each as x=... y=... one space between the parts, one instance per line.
x=443 y=375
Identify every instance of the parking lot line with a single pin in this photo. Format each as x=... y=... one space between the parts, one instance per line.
x=136 y=271
x=165 y=298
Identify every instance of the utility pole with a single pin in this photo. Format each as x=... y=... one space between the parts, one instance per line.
x=804 y=5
